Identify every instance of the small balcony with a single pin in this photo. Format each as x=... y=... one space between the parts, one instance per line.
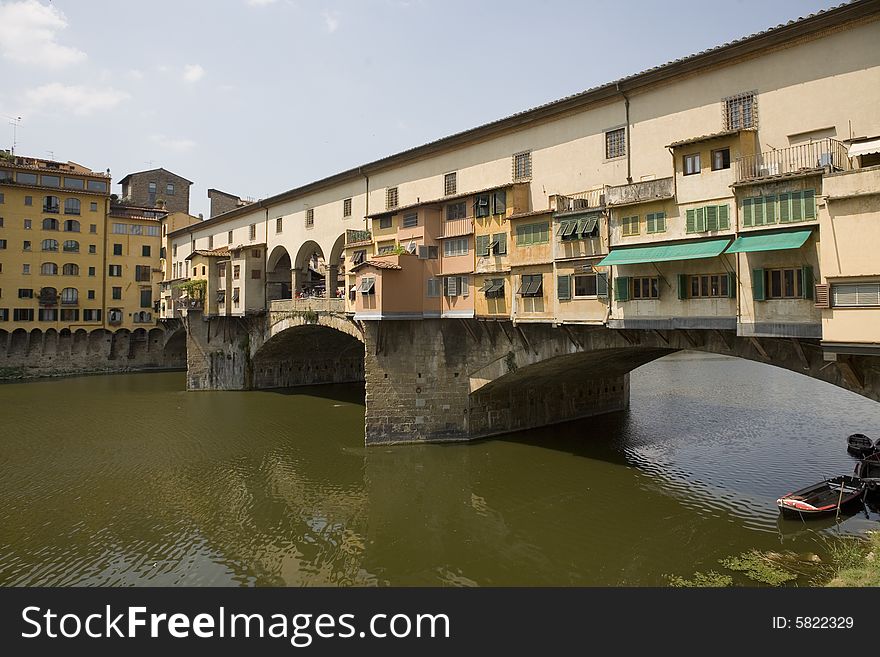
x=640 y=192
x=826 y=155
x=458 y=227
x=357 y=236
x=588 y=200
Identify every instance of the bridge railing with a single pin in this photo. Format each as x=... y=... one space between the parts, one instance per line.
x=315 y=304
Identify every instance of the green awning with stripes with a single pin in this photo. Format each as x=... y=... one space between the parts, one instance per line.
x=666 y=252
x=769 y=242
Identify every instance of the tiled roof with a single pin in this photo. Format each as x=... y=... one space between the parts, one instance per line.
x=378 y=264
x=213 y=253
x=533 y=213
x=714 y=135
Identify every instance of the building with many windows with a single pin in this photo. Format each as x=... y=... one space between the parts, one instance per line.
x=156 y=188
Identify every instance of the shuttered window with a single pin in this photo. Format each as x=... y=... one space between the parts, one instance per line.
x=499 y=202
x=655 y=222
x=482 y=245
x=532 y=234
x=457 y=286
x=707 y=218
x=784 y=208
x=629 y=226
x=855 y=295
x=563 y=287
x=499 y=240
x=621 y=288
x=434 y=285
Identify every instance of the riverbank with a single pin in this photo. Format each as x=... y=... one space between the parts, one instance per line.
x=858 y=562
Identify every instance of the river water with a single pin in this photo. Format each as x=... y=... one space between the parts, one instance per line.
x=129 y=480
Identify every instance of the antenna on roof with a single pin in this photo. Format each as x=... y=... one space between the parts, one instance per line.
x=14 y=121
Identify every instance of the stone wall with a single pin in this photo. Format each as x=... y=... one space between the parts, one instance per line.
x=218 y=352
x=38 y=353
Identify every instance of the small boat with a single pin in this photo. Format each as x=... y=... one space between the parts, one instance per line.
x=868 y=471
x=822 y=498
x=860 y=445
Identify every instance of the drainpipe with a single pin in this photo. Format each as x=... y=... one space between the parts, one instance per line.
x=265 y=262
x=628 y=137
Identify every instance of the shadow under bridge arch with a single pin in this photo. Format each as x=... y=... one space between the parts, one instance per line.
x=303 y=353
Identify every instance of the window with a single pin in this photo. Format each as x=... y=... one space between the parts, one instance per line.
x=70 y=269
x=586 y=285
x=91 y=315
x=70 y=246
x=252 y=231
x=50 y=204
x=50 y=224
x=71 y=206
x=50 y=181
x=236 y=272
x=74 y=183
x=90 y=294
x=151 y=191
x=368 y=285
x=785 y=283
x=26 y=178
x=855 y=295
x=169 y=189
x=70 y=314
x=118 y=229
x=481 y=205
x=27 y=224
x=499 y=202
x=117 y=249
x=279 y=222
x=655 y=222
x=705 y=286
x=26 y=245
x=385 y=222
x=522 y=165
x=145 y=251
x=28 y=200
x=531 y=285
x=629 y=226
x=142 y=273
x=358 y=256
x=391 y=198
x=228 y=240
x=48 y=315
x=346 y=207
x=236 y=295
x=433 y=289
x=784 y=208
x=146 y=297
x=2 y=244
x=647 y=287
x=25 y=269
x=410 y=219
x=310 y=217
x=91 y=271
x=93 y=228
x=385 y=248
x=493 y=288
x=221 y=270
x=457 y=286
x=710 y=217
x=455 y=247
x=116 y=293
x=70 y=296
x=4 y=314
x=203 y=270
x=428 y=253
x=256 y=274
x=151 y=231
x=691 y=164
x=721 y=159
x=135 y=229
x=491 y=245
x=93 y=248
x=23 y=314
x=456 y=211
x=49 y=269
x=115 y=270
x=49 y=245
x=97 y=186
x=740 y=111
x=449 y=184
x=93 y=207
x=530 y=234
x=25 y=293
x=615 y=143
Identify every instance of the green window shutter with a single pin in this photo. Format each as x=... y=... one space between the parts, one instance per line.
x=723 y=217
x=784 y=208
x=759 y=211
x=499 y=201
x=521 y=236
x=501 y=238
x=601 y=285
x=621 y=288
x=682 y=286
x=797 y=206
x=758 y=284
x=748 y=212
x=731 y=285
x=808 y=281
x=691 y=226
x=711 y=217
x=661 y=222
x=563 y=287
x=770 y=209
x=650 y=222
x=482 y=245
x=809 y=204
x=700 y=219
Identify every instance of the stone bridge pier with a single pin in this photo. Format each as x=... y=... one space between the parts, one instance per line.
x=453 y=380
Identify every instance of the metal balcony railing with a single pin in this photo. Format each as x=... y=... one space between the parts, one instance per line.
x=355 y=236
x=825 y=154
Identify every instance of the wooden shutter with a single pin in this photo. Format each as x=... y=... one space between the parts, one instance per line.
x=621 y=288
x=700 y=219
x=723 y=217
x=691 y=225
x=464 y=286
x=482 y=245
x=823 y=298
x=651 y=222
x=601 y=285
x=770 y=209
x=660 y=218
x=808 y=282
x=784 y=208
x=682 y=286
x=797 y=206
x=758 y=285
x=809 y=204
x=451 y=286
x=563 y=287
x=499 y=199
x=759 y=211
x=501 y=238
x=748 y=212
x=731 y=285
x=711 y=217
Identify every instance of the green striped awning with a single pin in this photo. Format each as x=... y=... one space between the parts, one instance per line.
x=769 y=242
x=666 y=252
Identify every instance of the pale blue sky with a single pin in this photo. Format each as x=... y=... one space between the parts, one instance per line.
x=257 y=96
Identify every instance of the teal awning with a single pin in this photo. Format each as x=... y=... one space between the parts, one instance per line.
x=771 y=242
x=666 y=252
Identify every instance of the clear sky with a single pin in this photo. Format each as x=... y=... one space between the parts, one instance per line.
x=258 y=96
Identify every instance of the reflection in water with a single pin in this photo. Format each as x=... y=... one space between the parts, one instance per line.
x=124 y=480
